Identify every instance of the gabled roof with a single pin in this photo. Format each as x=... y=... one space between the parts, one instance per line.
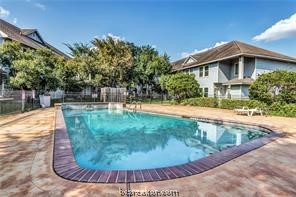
x=189 y=59
x=28 y=31
x=21 y=35
x=230 y=50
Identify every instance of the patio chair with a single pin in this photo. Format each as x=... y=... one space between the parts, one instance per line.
x=255 y=111
x=242 y=111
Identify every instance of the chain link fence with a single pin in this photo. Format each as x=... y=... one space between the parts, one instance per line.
x=14 y=101
x=18 y=101
x=105 y=95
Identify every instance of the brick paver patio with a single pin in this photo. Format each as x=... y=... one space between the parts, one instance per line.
x=26 y=144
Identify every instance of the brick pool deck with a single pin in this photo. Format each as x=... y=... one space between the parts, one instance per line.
x=26 y=144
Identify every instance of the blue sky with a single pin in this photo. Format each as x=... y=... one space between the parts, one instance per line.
x=175 y=27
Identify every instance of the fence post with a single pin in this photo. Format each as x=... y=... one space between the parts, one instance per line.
x=33 y=98
x=23 y=100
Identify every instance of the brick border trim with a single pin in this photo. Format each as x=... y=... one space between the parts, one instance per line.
x=65 y=166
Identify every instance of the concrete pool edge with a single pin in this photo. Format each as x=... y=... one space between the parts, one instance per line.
x=65 y=166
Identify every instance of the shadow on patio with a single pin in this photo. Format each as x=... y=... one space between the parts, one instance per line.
x=26 y=167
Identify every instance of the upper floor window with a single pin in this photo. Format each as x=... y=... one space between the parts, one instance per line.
x=236 y=69
x=201 y=71
x=206 y=71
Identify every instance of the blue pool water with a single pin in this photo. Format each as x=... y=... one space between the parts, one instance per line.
x=122 y=140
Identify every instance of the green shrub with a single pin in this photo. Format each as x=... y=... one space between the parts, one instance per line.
x=173 y=102
x=276 y=109
x=279 y=109
x=201 y=102
x=233 y=104
x=180 y=85
x=276 y=86
x=255 y=103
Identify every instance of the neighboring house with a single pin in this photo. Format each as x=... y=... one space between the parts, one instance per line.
x=27 y=37
x=227 y=71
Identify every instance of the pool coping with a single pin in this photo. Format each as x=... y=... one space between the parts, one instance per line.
x=65 y=166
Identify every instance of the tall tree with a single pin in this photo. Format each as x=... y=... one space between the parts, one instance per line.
x=9 y=52
x=35 y=70
x=150 y=66
x=85 y=61
x=115 y=58
x=66 y=74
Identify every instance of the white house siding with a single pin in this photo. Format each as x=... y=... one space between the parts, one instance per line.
x=264 y=66
x=245 y=91
x=221 y=72
x=1 y=40
x=235 y=91
x=232 y=69
x=224 y=72
x=249 y=67
x=207 y=82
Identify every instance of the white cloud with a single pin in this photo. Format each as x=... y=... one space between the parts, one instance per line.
x=14 y=21
x=3 y=12
x=282 y=29
x=186 y=54
x=40 y=6
x=114 y=37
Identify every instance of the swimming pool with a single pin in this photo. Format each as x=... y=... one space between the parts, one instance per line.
x=116 y=142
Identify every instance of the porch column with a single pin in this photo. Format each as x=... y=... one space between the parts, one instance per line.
x=241 y=67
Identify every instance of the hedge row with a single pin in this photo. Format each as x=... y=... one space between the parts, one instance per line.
x=233 y=104
x=201 y=102
x=277 y=109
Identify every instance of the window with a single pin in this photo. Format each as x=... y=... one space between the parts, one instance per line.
x=206 y=92
x=201 y=71
x=236 y=69
x=206 y=71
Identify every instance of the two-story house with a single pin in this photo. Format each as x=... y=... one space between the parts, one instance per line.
x=29 y=38
x=227 y=71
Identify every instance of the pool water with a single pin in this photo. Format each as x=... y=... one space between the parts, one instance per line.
x=123 y=140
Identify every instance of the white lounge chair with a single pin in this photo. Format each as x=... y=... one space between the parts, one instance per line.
x=242 y=111
x=255 y=111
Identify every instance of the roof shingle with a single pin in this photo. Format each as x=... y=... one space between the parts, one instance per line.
x=228 y=50
x=20 y=35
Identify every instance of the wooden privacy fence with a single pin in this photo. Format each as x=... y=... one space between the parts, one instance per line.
x=113 y=94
